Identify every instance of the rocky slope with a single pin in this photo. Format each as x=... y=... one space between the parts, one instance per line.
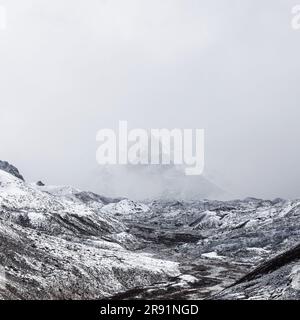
x=218 y=243
x=54 y=245
x=61 y=242
x=277 y=278
x=5 y=166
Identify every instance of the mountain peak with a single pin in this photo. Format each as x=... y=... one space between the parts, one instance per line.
x=5 y=166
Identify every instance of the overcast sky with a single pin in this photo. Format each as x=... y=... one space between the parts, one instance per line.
x=71 y=67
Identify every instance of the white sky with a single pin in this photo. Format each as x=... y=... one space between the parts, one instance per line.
x=69 y=68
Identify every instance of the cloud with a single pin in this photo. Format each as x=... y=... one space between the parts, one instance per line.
x=70 y=68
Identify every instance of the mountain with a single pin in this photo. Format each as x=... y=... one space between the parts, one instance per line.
x=55 y=244
x=59 y=242
x=147 y=181
x=143 y=182
x=216 y=243
x=277 y=278
x=5 y=166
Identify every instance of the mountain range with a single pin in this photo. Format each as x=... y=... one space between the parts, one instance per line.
x=59 y=242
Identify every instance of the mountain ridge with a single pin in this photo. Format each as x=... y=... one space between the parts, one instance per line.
x=59 y=242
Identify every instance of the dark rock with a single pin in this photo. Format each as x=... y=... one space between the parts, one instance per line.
x=5 y=166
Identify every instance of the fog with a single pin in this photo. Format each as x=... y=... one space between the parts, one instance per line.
x=69 y=68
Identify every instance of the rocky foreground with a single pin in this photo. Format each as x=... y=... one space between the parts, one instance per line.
x=63 y=243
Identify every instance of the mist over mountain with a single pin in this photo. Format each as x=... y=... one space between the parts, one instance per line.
x=153 y=181
x=144 y=182
x=229 y=67
x=60 y=242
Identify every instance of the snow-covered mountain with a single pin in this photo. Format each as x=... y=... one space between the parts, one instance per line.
x=55 y=243
x=5 y=166
x=142 y=182
x=60 y=242
x=277 y=278
x=217 y=243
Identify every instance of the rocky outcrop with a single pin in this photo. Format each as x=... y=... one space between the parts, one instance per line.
x=277 y=278
x=5 y=166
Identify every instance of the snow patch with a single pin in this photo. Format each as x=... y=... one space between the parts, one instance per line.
x=295 y=277
x=212 y=255
x=125 y=207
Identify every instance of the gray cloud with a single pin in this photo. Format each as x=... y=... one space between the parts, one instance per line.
x=69 y=68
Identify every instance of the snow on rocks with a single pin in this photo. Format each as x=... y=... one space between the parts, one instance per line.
x=212 y=255
x=61 y=242
x=52 y=209
x=207 y=220
x=125 y=207
x=40 y=266
x=295 y=277
x=55 y=245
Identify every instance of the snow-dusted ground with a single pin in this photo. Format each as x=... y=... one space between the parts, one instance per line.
x=218 y=242
x=60 y=242
x=53 y=245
